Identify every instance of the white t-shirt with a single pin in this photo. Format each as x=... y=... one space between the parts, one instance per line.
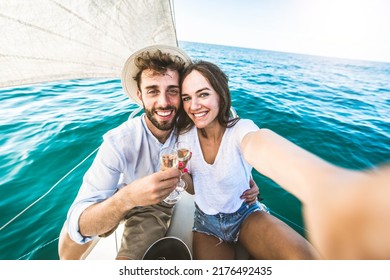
x=218 y=186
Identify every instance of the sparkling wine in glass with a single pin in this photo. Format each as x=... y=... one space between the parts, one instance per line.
x=168 y=159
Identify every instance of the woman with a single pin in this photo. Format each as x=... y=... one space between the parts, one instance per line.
x=219 y=169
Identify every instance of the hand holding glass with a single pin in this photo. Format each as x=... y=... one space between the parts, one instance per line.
x=168 y=159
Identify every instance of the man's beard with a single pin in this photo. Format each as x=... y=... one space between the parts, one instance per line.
x=166 y=125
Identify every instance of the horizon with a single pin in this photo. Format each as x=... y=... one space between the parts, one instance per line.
x=289 y=52
x=348 y=29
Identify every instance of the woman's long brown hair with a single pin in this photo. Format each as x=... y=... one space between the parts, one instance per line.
x=219 y=81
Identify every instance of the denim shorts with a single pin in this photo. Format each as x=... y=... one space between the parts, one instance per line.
x=224 y=226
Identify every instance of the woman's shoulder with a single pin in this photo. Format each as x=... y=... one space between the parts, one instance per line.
x=246 y=123
x=243 y=127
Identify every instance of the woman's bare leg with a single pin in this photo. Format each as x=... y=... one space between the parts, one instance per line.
x=207 y=247
x=266 y=237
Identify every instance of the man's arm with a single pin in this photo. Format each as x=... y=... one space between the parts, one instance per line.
x=101 y=217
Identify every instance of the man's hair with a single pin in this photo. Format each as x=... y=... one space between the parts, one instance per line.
x=158 y=62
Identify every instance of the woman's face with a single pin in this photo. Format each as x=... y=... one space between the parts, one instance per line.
x=200 y=100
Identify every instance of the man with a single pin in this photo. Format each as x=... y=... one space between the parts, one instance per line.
x=125 y=182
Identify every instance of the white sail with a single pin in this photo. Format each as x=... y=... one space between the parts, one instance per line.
x=47 y=40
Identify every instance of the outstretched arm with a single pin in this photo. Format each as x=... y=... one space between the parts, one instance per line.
x=290 y=166
x=346 y=212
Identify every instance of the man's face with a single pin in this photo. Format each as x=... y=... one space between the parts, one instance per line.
x=160 y=95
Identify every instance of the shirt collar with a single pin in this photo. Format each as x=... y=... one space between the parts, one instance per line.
x=167 y=143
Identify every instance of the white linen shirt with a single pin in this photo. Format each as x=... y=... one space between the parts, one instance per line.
x=218 y=186
x=128 y=152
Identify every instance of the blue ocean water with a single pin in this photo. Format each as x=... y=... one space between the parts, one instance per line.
x=338 y=109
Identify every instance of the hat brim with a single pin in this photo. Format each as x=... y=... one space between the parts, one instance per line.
x=130 y=70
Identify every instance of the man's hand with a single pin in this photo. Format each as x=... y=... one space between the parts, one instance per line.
x=150 y=189
x=101 y=217
x=250 y=195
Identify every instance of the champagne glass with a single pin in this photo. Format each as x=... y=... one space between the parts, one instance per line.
x=183 y=156
x=168 y=159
